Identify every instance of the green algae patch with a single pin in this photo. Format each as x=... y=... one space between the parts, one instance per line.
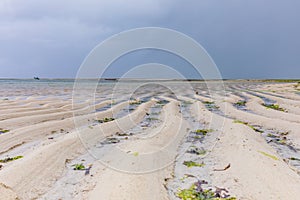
x=247 y=124
x=9 y=159
x=78 y=167
x=210 y=105
x=196 y=192
x=190 y=164
x=240 y=122
x=152 y=119
x=208 y=102
x=240 y=103
x=274 y=107
x=135 y=154
x=268 y=155
x=203 y=131
x=3 y=131
x=106 y=119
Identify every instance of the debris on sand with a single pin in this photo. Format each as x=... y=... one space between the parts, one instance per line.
x=225 y=168
x=123 y=134
x=88 y=170
x=110 y=140
x=104 y=120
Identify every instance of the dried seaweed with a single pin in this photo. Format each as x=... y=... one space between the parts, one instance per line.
x=135 y=102
x=225 y=168
x=110 y=140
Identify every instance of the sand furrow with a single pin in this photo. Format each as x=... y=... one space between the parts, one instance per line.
x=26 y=119
x=242 y=147
x=131 y=186
x=136 y=154
x=46 y=164
x=255 y=104
x=42 y=131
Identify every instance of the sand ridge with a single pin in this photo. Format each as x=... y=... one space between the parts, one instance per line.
x=52 y=135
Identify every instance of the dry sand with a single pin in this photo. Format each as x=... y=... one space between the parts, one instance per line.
x=140 y=154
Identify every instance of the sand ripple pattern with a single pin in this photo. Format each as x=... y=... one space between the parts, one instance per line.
x=255 y=132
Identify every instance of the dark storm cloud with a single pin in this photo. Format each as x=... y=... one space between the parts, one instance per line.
x=247 y=39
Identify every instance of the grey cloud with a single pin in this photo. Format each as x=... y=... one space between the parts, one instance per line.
x=247 y=39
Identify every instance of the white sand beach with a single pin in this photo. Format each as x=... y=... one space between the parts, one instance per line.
x=157 y=145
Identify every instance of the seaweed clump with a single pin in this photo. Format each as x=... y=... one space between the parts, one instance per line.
x=203 y=131
x=280 y=139
x=274 y=107
x=198 y=135
x=106 y=119
x=110 y=140
x=250 y=126
x=210 y=105
x=3 y=131
x=197 y=151
x=10 y=159
x=197 y=192
x=135 y=102
x=240 y=103
x=79 y=167
x=190 y=164
x=293 y=158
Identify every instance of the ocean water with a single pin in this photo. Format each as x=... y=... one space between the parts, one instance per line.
x=13 y=88
x=63 y=88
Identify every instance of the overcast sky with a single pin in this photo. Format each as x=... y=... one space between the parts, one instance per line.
x=245 y=38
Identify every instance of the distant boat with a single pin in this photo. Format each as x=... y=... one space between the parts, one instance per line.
x=110 y=79
x=36 y=78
